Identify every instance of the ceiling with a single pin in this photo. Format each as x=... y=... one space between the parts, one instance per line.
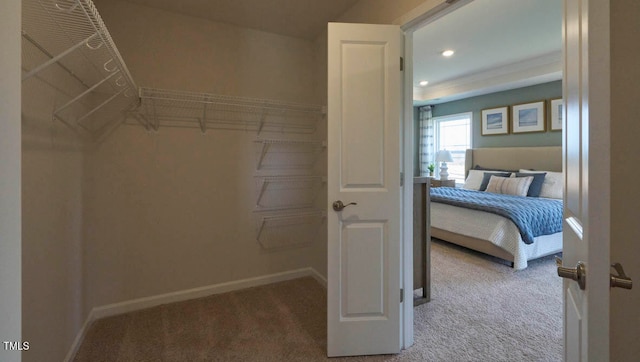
x=499 y=44
x=297 y=18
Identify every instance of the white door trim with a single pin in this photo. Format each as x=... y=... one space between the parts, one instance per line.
x=422 y=15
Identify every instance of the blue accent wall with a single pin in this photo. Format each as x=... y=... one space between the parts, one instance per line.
x=545 y=91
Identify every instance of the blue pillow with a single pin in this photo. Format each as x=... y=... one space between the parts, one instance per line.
x=536 y=184
x=487 y=176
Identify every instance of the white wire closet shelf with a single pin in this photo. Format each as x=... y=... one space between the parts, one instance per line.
x=67 y=49
x=171 y=108
x=287 y=154
x=285 y=230
x=287 y=192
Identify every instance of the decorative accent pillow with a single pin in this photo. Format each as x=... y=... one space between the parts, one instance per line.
x=487 y=176
x=536 y=184
x=518 y=186
x=552 y=187
x=474 y=179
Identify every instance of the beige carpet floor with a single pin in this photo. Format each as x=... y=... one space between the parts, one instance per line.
x=480 y=311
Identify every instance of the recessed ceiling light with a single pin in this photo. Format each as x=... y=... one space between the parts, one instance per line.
x=423 y=83
x=448 y=53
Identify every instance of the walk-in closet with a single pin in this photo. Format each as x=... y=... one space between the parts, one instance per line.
x=165 y=157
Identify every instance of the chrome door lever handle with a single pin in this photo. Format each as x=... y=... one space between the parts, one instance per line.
x=577 y=274
x=339 y=205
x=621 y=280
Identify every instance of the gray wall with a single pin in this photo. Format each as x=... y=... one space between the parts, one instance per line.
x=545 y=91
x=10 y=220
x=534 y=93
x=624 y=128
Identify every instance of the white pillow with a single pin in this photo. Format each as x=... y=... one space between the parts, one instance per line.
x=510 y=186
x=474 y=179
x=552 y=186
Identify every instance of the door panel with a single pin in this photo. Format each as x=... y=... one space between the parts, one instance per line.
x=362 y=133
x=364 y=113
x=573 y=325
x=363 y=265
x=586 y=190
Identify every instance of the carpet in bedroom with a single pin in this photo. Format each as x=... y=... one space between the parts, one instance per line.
x=480 y=311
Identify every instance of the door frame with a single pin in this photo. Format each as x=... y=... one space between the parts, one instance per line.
x=422 y=15
x=419 y=17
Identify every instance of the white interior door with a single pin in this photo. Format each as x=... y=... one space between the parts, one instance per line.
x=586 y=162
x=364 y=154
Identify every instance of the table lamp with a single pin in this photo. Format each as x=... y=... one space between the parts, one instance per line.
x=444 y=156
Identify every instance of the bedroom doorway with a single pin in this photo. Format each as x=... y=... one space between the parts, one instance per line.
x=447 y=94
x=597 y=344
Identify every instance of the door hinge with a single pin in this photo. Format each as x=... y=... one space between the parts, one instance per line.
x=401 y=295
x=401 y=179
x=401 y=63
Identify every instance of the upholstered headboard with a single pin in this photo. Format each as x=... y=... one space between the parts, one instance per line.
x=514 y=158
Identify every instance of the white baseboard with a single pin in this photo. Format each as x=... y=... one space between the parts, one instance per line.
x=79 y=338
x=179 y=296
x=318 y=277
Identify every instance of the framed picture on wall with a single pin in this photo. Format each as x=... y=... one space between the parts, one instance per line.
x=495 y=121
x=529 y=117
x=556 y=114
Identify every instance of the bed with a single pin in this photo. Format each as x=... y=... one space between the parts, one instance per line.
x=493 y=234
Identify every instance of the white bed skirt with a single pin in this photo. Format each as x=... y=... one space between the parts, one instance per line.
x=495 y=229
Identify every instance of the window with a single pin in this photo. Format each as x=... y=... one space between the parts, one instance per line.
x=453 y=133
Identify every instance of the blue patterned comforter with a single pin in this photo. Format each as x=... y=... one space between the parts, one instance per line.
x=533 y=216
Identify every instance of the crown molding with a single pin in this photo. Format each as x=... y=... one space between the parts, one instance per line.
x=545 y=68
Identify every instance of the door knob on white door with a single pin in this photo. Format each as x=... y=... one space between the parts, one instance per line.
x=339 y=205
x=578 y=273
x=621 y=280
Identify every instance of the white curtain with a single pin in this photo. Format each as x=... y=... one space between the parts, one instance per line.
x=426 y=152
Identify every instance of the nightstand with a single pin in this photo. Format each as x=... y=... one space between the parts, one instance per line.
x=442 y=183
